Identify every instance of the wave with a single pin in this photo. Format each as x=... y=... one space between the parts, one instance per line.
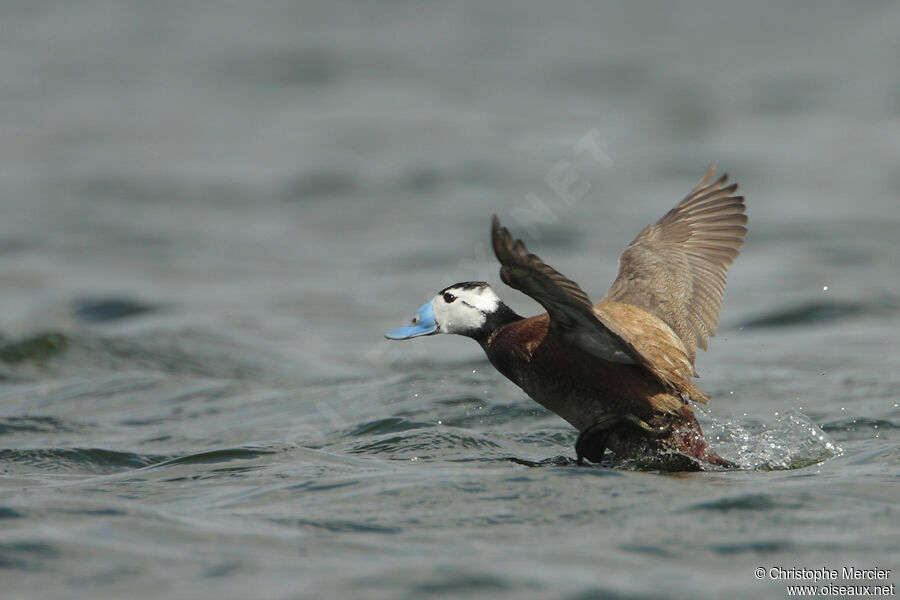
x=79 y=460
x=815 y=312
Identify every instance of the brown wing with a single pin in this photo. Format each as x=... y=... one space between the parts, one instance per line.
x=660 y=349
x=675 y=269
x=610 y=331
x=571 y=312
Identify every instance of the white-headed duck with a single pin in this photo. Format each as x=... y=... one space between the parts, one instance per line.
x=619 y=370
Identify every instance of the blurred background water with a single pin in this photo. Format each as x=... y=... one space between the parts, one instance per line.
x=210 y=212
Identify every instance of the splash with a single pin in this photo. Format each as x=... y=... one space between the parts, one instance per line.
x=791 y=441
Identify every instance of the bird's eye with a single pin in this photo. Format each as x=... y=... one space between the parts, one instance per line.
x=448 y=297
x=415 y=319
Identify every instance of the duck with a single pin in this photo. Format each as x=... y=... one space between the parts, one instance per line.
x=619 y=370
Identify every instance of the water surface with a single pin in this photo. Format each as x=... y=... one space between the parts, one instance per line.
x=211 y=214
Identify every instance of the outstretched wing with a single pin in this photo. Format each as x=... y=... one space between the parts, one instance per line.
x=572 y=316
x=675 y=269
x=610 y=331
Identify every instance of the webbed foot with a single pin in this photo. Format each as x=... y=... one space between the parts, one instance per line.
x=591 y=442
x=644 y=427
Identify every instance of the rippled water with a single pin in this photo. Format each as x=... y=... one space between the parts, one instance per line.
x=211 y=213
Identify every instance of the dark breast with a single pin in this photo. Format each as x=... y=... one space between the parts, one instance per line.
x=573 y=384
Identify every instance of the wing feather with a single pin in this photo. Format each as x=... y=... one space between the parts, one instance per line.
x=676 y=268
x=571 y=311
x=611 y=331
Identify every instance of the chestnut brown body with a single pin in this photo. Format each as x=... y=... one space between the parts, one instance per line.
x=583 y=389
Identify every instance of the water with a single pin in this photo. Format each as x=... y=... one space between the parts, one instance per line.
x=211 y=213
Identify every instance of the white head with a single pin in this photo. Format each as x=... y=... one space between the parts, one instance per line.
x=470 y=308
x=464 y=307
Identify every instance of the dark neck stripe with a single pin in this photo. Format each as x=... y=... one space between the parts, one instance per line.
x=504 y=315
